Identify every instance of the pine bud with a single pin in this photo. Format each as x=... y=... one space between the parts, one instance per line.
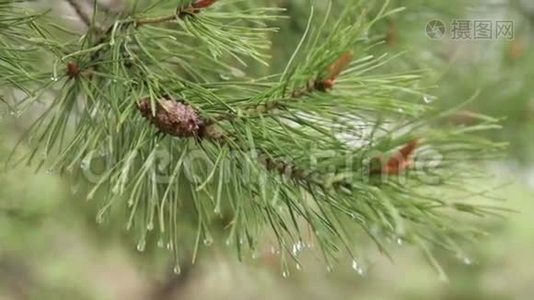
x=339 y=65
x=334 y=70
x=73 y=70
x=172 y=117
x=199 y=4
x=398 y=162
x=402 y=160
x=392 y=35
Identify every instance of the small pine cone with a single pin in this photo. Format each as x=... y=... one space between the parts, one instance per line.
x=173 y=118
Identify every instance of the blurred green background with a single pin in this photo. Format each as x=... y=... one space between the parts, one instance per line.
x=52 y=248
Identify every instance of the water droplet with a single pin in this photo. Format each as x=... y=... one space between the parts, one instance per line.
x=400 y=241
x=15 y=113
x=90 y=196
x=100 y=217
x=297 y=248
x=429 y=99
x=53 y=78
x=115 y=190
x=86 y=163
x=208 y=241
x=150 y=226
x=177 y=270
x=224 y=77
x=130 y=203
x=298 y=266
x=356 y=267
x=329 y=269
x=464 y=258
x=285 y=274
x=169 y=246
x=141 y=245
x=228 y=242
x=50 y=172
x=238 y=72
x=161 y=243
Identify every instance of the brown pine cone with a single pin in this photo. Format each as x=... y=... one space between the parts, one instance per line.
x=173 y=117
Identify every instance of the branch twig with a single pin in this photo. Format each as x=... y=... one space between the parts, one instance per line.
x=80 y=12
x=156 y=20
x=112 y=8
x=180 y=13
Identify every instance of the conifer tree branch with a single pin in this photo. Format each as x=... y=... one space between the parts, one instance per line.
x=320 y=84
x=181 y=12
x=228 y=137
x=183 y=121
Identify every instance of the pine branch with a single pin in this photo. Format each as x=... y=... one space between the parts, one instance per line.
x=316 y=85
x=183 y=121
x=331 y=145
